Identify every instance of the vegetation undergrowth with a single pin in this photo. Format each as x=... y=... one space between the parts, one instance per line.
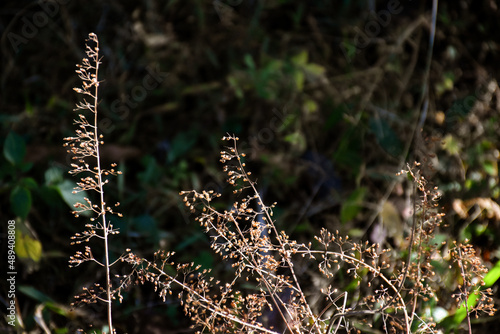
x=364 y=286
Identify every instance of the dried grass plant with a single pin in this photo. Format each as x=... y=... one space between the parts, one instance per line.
x=85 y=148
x=390 y=287
x=264 y=257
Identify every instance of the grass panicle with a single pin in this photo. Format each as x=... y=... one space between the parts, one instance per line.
x=85 y=151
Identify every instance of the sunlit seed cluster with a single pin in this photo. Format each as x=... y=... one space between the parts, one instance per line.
x=84 y=148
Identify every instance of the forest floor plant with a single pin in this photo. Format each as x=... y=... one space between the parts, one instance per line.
x=246 y=236
x=85 y=148
x=392 y=289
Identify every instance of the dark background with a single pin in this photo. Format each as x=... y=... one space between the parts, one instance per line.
x=330 y=100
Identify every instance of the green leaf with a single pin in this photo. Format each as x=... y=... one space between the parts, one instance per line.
x=288 y=121
x=66 y=189
x=492 y=276
x=353 y=285
x=314 y=70
x=349 y=50
x=310 y=106
x=53 y=176
x=14 y=148
x=461 y=312
x=386 y=137
x=491 y=167
x=29 y=183
x=20 y=201
x=27 y=247
x=446 y=84
x=234 y=83
x=46 y=300
x=301 y=58
x=35 y=294
x=24 y=166
x=451 y=145
x=29 y=107
x=352 y=205
x=299 y=78
x=297 y=140
x=249 y=61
